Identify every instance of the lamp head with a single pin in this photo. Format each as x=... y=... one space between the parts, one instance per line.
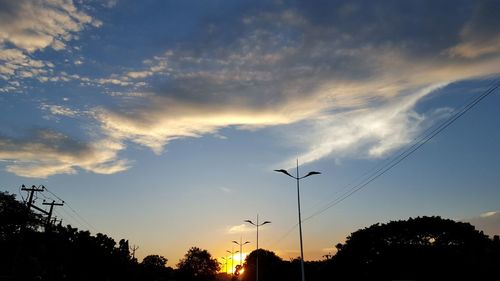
x=311 y=174
x=249 y=221
x=284 y=172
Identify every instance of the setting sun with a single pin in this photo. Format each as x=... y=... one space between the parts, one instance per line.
x=231 y=265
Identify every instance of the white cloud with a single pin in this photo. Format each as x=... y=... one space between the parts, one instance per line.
x=59 y=110
x=35 y=25
x=225 y=189
x=29 y=26
x=47 y=153
x=354 y=84
x=489 y=222
x=366 y=132
x=239 y=228
x=488 y=214
x=139 y=74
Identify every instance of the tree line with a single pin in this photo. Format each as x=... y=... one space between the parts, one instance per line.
x=423 y=248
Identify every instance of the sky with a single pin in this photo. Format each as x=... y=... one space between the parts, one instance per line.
x=161 y=122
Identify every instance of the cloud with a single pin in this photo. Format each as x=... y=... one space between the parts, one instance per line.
x=59 y=110
x=293 y=67
x=239 y=228
x=366 y=132
x=35 y=25
x=30 y=26
x=225 y=189
x=480 y=35
x=487 y=214
x=46 y=152
x=164 y=119
x=489 y=222
x=353 y=74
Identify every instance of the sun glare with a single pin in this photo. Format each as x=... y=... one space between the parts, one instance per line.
x=230 y=267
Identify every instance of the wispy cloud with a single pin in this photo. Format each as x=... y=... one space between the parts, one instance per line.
x=30 y=26
x=365 y=132
x=59 y=110
x=353 y=77
x=46 y=152
x=355 y=97
x=488 y=214
x=239 y=228
x=489 y=222
x=225 y=189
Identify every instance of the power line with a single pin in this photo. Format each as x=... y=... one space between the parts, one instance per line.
x=405 y=154
x=418 y=142
x=82 y=219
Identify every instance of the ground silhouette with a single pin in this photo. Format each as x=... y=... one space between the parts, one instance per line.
x=423 y=248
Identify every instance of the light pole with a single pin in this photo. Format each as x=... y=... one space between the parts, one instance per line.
x=257 y=225
x=241 y=247
x=232 y=252
x=298 y=178
x=225 y=260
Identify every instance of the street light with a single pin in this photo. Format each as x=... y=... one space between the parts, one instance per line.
x=232 y=259
x=298 y=178
x=225 y=260
x=241 y=247
x=257 y=225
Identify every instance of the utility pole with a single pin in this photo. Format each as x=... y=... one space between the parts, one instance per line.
x=55 y=220
x=32 y=191
x=49 y=214
x=133 y=249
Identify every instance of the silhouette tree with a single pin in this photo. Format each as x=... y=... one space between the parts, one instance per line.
x=14 y=215
x=154 y=268
x=271 y=267
x=422 y=248
x=154 y=261
x=197 y=264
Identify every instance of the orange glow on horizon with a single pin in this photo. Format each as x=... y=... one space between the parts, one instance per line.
x=231 y=263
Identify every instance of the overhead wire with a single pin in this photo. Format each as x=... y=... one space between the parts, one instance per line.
x=405 y=154
x=66 y=204
x=391 y=162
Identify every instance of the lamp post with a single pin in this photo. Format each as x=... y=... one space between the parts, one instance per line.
x=257 y=259
x=241 y=248
x=232 y=252
x=225 y=261
x=298 y=178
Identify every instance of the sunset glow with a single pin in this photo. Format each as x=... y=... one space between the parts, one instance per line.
x=162 y=122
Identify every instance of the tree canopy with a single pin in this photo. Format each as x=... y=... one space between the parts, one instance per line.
x=420 y=248
x=197 y=264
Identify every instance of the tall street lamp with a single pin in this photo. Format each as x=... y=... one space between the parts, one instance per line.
x=257 y=225
x=225 y=260
x=298 y=178
x=232 y=252
x=241 y=248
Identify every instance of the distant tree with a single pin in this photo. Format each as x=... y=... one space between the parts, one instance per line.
x=14 y=215
x=420 y=248
x=197 y=264
x=155 y=268
x=154 y=261
x=271 y=267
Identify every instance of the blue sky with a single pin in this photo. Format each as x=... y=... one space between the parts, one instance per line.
x=161 y=121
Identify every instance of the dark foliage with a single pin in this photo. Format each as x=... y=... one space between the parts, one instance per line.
x=197 y=264
x=424 y=248
x=62 y=253
x=271 y=267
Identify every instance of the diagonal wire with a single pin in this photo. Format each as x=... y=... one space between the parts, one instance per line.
x=425 y=137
